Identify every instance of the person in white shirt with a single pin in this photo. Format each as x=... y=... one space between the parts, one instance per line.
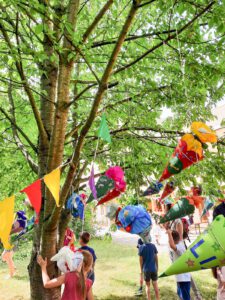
x=219 y=274
x=177 y=248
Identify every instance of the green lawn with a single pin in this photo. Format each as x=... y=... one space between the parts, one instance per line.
x=117 y=275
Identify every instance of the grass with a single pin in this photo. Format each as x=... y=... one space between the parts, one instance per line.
x=117 y=275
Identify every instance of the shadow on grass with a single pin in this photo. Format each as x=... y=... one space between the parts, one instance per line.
x=21 y=277
x=126 y=282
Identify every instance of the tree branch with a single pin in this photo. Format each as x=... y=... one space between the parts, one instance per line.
x=170 y=37
x=19 y=129
x=96 y=20
x=101 y=90
x=26 y=87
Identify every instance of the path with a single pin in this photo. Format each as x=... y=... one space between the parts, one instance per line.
x=125 y=238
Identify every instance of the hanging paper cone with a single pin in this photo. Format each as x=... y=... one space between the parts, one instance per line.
x=6 y=217
x=207 y=205
x=103 y=186
x=206 y=252
x=52 y=181
x=181 y=209
x=134 y=219
x=189 y=151
x=197 y=201
x=154 y=188
x=76 y=206
x=91 y=183
x=111 y=195
x=169 y=189
x=103 y=131
x=33 y=192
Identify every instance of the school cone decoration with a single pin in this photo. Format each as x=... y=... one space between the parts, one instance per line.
x=182 y=208
x=154 y=188
x=6 y=217
x=109 y=186
x=168 y=189
x=206 y=252
x=207 y=205
x=189 y=149
x=117 y=175
x=132 y=218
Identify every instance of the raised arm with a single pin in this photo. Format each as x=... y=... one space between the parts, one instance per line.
x=180 y=230
x=171 y=241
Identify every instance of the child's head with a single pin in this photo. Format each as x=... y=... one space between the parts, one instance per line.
x=87 y=261
x=86 y=267
x=84 y=238
x=176 y=236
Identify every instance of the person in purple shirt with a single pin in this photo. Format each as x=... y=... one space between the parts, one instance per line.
x=83 y=241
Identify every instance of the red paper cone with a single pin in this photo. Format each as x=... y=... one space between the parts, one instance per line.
x=111 y=195
x=183 y=157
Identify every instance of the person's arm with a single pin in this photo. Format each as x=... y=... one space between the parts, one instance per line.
x=90 y=295
x=47 y=282
x=157 y=262
x=221 y=276
x=180 y=230
x=141 y=263
x=171 y=241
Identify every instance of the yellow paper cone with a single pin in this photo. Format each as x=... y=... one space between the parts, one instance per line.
x=6 y=219
x=52 y=180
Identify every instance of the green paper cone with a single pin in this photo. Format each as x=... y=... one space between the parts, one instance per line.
x=103 y=186
x=181 y=209
x=207 y=251
x=103 y=131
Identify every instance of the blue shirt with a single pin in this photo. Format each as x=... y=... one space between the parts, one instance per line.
x=148 y=253
x=91 y=250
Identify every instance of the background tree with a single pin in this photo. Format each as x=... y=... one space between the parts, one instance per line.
x=66 y=62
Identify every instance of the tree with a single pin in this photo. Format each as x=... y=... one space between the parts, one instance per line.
x=66 y=62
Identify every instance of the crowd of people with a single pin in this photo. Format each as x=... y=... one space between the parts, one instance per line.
x=149 y=263
x=78 y=284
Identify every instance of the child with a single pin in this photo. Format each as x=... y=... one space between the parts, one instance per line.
x=177 y=248
x=219 y=274
x=7 y=256
x=83 y=241
x=140 y=290
x=149 y=267
x=77 y=286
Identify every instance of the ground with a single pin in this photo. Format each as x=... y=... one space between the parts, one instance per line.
x=117 y=273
